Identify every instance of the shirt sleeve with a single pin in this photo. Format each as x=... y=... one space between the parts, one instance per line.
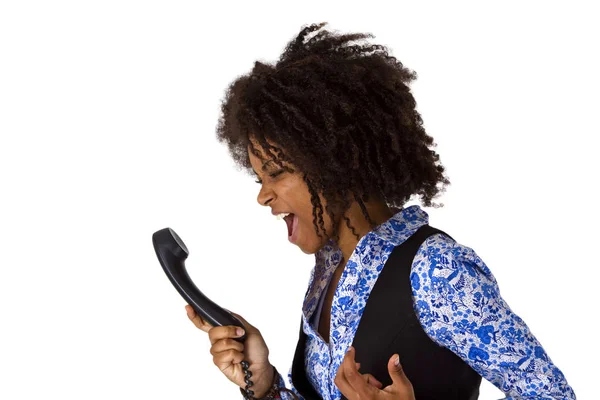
x=287 y=396
x=458 y=303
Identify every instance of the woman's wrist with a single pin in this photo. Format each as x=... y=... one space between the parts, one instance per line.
x=274 y=391
x=266 y=392
x=269 y=388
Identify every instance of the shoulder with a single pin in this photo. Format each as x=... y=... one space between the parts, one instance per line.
x=442 y=261
x=454 y=291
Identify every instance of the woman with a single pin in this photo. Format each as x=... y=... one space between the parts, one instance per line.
x=332 y=133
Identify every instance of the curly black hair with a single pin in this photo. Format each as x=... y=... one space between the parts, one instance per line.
x=342 y=114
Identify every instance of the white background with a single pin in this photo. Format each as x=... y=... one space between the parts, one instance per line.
x=107 y=120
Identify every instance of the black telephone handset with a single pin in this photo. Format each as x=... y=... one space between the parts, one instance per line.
x=172 y=252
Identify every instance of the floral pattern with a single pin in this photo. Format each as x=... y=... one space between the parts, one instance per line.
x=456 y=299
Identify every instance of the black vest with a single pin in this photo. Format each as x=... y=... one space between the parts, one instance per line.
x=389 y=325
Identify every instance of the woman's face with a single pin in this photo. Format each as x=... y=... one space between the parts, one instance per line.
x=287 y=192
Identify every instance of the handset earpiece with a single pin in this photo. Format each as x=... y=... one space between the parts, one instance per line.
x=172 y=253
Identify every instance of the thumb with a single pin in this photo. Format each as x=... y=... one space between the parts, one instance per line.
x=247 y=325
x=398 y=376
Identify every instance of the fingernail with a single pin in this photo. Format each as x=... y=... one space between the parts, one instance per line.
x=239 y=331
x=397 y=361
x=349 y=349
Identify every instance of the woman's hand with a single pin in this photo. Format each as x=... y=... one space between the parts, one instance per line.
x=356 y=386
x=229 y=353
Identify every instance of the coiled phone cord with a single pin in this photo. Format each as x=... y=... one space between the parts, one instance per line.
x=249 y=394
x=274 y=390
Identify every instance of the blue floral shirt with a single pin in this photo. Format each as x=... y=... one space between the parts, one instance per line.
x=455 y=297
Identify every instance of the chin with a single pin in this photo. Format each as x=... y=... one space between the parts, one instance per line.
x=311 y=248
x=308 y=250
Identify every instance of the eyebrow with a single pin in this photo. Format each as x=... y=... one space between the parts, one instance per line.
x=264 y=166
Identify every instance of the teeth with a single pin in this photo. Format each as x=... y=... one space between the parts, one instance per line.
x=282 y=215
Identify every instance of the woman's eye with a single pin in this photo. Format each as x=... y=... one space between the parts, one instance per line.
x=273 y=175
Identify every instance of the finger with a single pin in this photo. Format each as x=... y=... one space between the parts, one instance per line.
x=371 y=380
x=399 y=378
x=354 y=378
x=196 y=319
x=340 y=379
x=342 y=383
x=247 y=326
x=226 y=344
x=227 y=359
x=224 y=332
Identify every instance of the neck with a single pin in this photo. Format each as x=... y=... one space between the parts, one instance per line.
x=378 y=211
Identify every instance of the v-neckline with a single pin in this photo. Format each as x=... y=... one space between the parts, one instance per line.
x=326 y=309
x=315 y=325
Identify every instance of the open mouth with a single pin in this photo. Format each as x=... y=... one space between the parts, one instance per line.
x=292 y=224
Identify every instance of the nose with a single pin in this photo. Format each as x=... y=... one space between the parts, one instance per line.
x=265 y=196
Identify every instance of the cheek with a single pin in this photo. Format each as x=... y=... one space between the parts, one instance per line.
x=310 y=241
x=298 y=198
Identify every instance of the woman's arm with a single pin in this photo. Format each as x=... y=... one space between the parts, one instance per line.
x=458 y=303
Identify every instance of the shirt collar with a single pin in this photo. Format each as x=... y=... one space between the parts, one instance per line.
x=395 y=230
x=401 y=225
